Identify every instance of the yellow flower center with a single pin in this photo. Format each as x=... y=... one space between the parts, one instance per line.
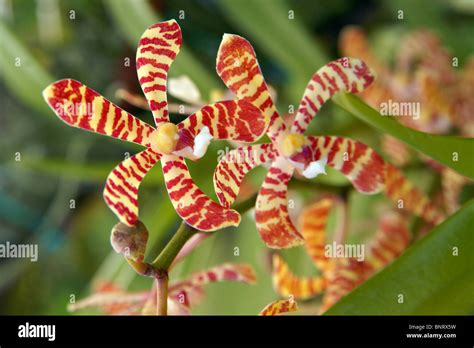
x=165 y=138
x=292 y=143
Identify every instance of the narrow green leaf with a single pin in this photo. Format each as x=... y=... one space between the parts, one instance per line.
x=454 y=152
x=134 y=16
x=434 y=276
x=20 y=71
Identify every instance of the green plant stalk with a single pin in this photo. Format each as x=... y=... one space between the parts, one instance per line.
x=168 y=254
x=162 y=294
x=27 y=79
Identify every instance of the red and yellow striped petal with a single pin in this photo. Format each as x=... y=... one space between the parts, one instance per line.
x=121 y=187
x=353 y=42
x=232 y=168
x=402 y=192
x=271 y=211
x=286 y=283
x=313 y=221
x=279 y=307
x=390 y=240
x=346 y=275
x=238 y=67
x=227 y=120
x=358 y=162
x=191 y=290
x=194 y=207
x=81 y=107
x=112 y=300
x=157 y=49
x=349 y=75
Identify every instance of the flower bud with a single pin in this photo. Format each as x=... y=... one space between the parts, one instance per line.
x=130 y=241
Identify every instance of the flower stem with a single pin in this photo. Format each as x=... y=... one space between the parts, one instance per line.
x=162 y=294
x=168 y=254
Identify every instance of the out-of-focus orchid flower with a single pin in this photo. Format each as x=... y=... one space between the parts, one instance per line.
x=424 y=73
x=290 y=150
x=81 y=107
x=338 y=276
x=182 y=295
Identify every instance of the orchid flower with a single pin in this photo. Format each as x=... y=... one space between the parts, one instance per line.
x=182 y=294
x=338 y=276
x=289 y=149
x=81 y=107
x=423 y=73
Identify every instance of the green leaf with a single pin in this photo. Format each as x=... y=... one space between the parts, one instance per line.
x=133 y=17
x=439 y=147
x=89 y=172
x=431 y=279
x=21 y=73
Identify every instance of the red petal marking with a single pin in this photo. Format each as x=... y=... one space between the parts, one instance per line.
x=121 y=188
x=390 y=240
x=238 y=68
x=232 y=168
x=192 y=288
x=279 y=307
x=157 y=49
x=271 y=211
x=399 y=189
x=194 y=207
x=286 y=283
x=353 y=42
x=348 y=75
x=313 y=221
x=358 y=162
x=231 y=120
x=81 y=107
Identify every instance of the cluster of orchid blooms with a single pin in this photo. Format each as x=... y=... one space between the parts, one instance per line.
x=251 y=115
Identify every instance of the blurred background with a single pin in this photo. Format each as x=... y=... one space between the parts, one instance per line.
x=52 y=176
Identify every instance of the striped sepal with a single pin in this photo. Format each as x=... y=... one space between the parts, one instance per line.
x=190 y=291
x=346 y=275
x=349 y=75
x=390 y=240
x=228 y=120
x=353 y=42
x=271 y=210
x=279 y=307
x=194 y=207
x=286 y=283
x=313 y=221
x=358 y=162
x=157 y=49
x=81 y=107
x=407 y=197
x=121 y=187
x=232 y=168
x=238 y=67
x=112 y=300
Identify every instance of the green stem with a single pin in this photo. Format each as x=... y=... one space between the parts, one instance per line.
x=162 y=294
x=168 y=254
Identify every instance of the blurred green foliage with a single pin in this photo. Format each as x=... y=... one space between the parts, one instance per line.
x=88 y=41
